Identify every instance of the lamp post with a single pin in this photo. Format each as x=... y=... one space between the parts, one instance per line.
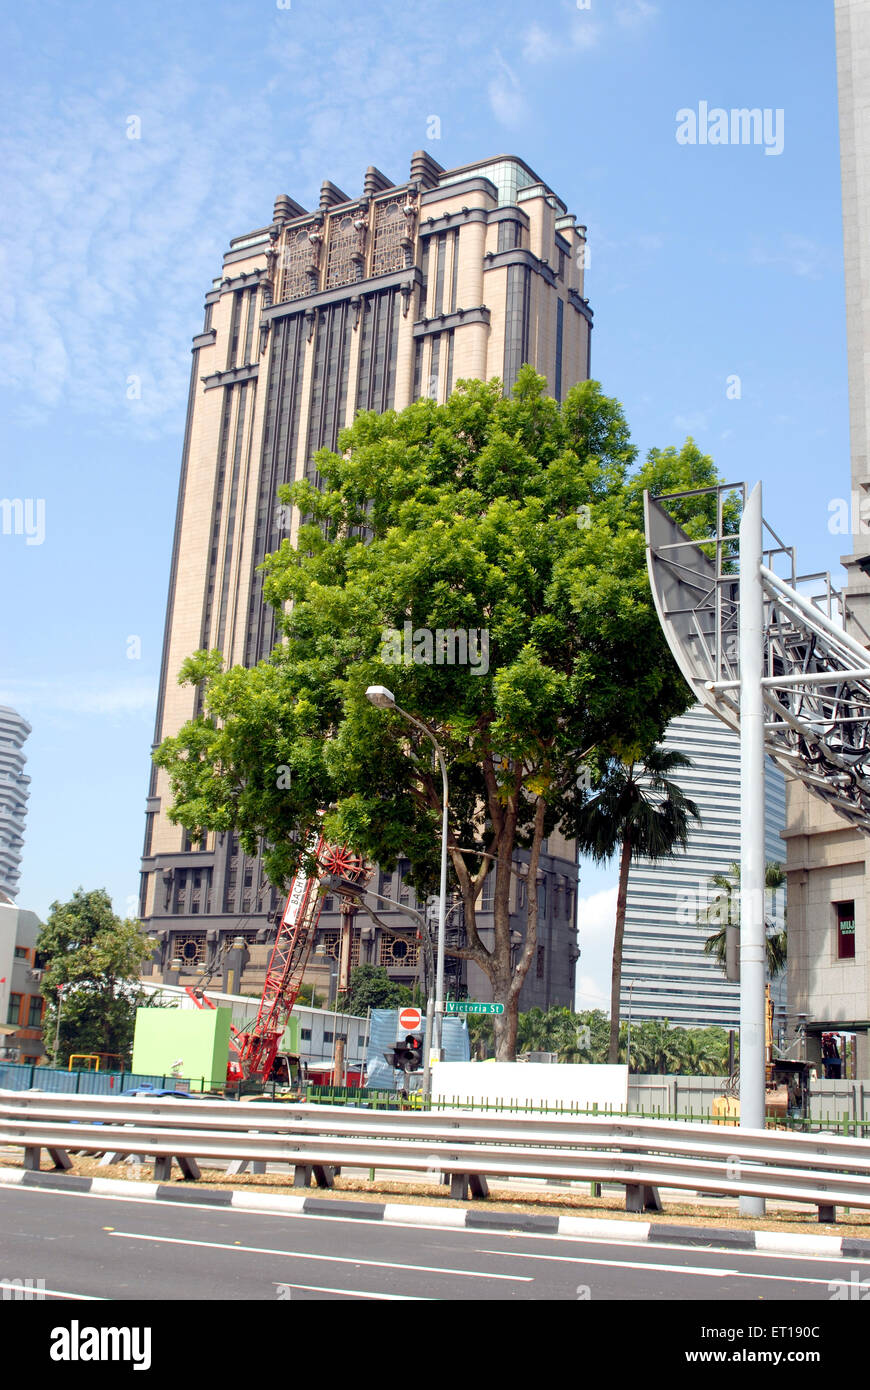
x=57 y=1029
x=628 y=1042
x=383 y=698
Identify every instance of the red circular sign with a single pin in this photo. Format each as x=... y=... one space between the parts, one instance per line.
x=409 y=1019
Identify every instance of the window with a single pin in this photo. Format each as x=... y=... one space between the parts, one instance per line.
x=21 y=953
x=509 y=234
x=305 y=1034
x=845 y=930
x=14 y=1009
x=488 y=893
x=516 y=333
x=539 y=968
x=560 y=319
x=34 y=1016
x=328 y=1037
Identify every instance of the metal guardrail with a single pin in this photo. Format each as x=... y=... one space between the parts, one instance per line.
x=316 y=1140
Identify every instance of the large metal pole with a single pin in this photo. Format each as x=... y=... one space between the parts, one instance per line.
x=752 y=944
x=442 y=918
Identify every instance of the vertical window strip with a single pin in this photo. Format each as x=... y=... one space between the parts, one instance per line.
x=234 y=328
x=217 y=508
x=315 y=418
x=392 y=352
x=516 y=342
x=424 y=268
x=560 y=314
x=439 y=275
x=450 y=362
x=279 y=442
x=455 y=274
x=418 y=367
x=249 y=333
x=231 y=514
x=379 y=351
x=434 y=367
x=365 y=353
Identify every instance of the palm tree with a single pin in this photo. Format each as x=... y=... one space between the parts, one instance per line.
x=728 y=887
x=532 y=1031
x=637 y=809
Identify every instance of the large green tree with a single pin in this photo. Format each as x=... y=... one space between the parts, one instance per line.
x=516 y=520
x=96 y=958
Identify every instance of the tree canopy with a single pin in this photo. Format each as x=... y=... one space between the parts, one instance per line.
x=370 y=987
x=515 y=522
x=96 y=958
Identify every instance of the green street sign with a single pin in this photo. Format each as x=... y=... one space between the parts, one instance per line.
x=468 y=1006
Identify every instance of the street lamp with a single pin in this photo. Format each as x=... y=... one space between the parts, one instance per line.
x=382 y=698
x=628 y=1043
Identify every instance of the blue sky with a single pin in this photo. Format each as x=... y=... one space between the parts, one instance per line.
x=706 y=261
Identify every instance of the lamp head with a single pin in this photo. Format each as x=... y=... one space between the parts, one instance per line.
x=380 y=696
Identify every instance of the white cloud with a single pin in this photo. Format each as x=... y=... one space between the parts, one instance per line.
x=543 y=45
x=633 y=14
x=693 y=423
x=84 y=696
x=505 y=96
x=588 y=994
x=798 y=255
x=596 y=914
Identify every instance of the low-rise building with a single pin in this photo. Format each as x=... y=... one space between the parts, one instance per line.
x=21 y=1003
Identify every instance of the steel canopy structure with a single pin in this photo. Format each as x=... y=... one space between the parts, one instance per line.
x=816 y=676
x=777 y=665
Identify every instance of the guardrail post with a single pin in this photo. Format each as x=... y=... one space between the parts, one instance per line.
x=323 y=1174
x=641 y=1197
x=827 y=1212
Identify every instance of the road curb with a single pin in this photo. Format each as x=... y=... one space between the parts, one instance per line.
x=458 y=1218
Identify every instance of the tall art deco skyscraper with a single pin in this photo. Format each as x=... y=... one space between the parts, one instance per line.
x=362 y=303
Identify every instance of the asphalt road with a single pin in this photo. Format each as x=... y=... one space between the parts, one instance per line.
x=91 y=1247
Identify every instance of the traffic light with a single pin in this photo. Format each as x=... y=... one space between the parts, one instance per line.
x=407 y=1055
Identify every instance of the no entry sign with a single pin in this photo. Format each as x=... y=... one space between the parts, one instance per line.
x=409 y=1019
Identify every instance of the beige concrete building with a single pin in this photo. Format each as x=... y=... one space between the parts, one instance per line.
x=363 y=303
x=827 y=861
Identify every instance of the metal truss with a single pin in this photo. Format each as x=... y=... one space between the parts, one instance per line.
x=816 y=676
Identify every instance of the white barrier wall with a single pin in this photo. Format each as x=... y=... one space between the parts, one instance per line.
x=579 y=1084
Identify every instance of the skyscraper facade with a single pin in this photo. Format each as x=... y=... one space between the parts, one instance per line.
x=665 y=972
x=362 y=303
x=14 y=784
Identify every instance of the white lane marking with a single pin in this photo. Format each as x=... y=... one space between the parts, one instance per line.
x=711 y=1270
x=39 y=1294
x=678 y=1269
x=360 y=1293
x=328 y=1259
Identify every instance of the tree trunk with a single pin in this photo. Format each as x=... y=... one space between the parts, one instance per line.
x=616 y=975
x=505 y=1025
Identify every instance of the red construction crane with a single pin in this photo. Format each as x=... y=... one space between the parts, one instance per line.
x=253 y=1050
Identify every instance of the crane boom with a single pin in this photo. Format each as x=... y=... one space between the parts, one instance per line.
x=257 y=1046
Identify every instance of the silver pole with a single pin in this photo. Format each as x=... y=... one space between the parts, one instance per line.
x=57 y=1029
x=752 y=944
x=442 y=918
